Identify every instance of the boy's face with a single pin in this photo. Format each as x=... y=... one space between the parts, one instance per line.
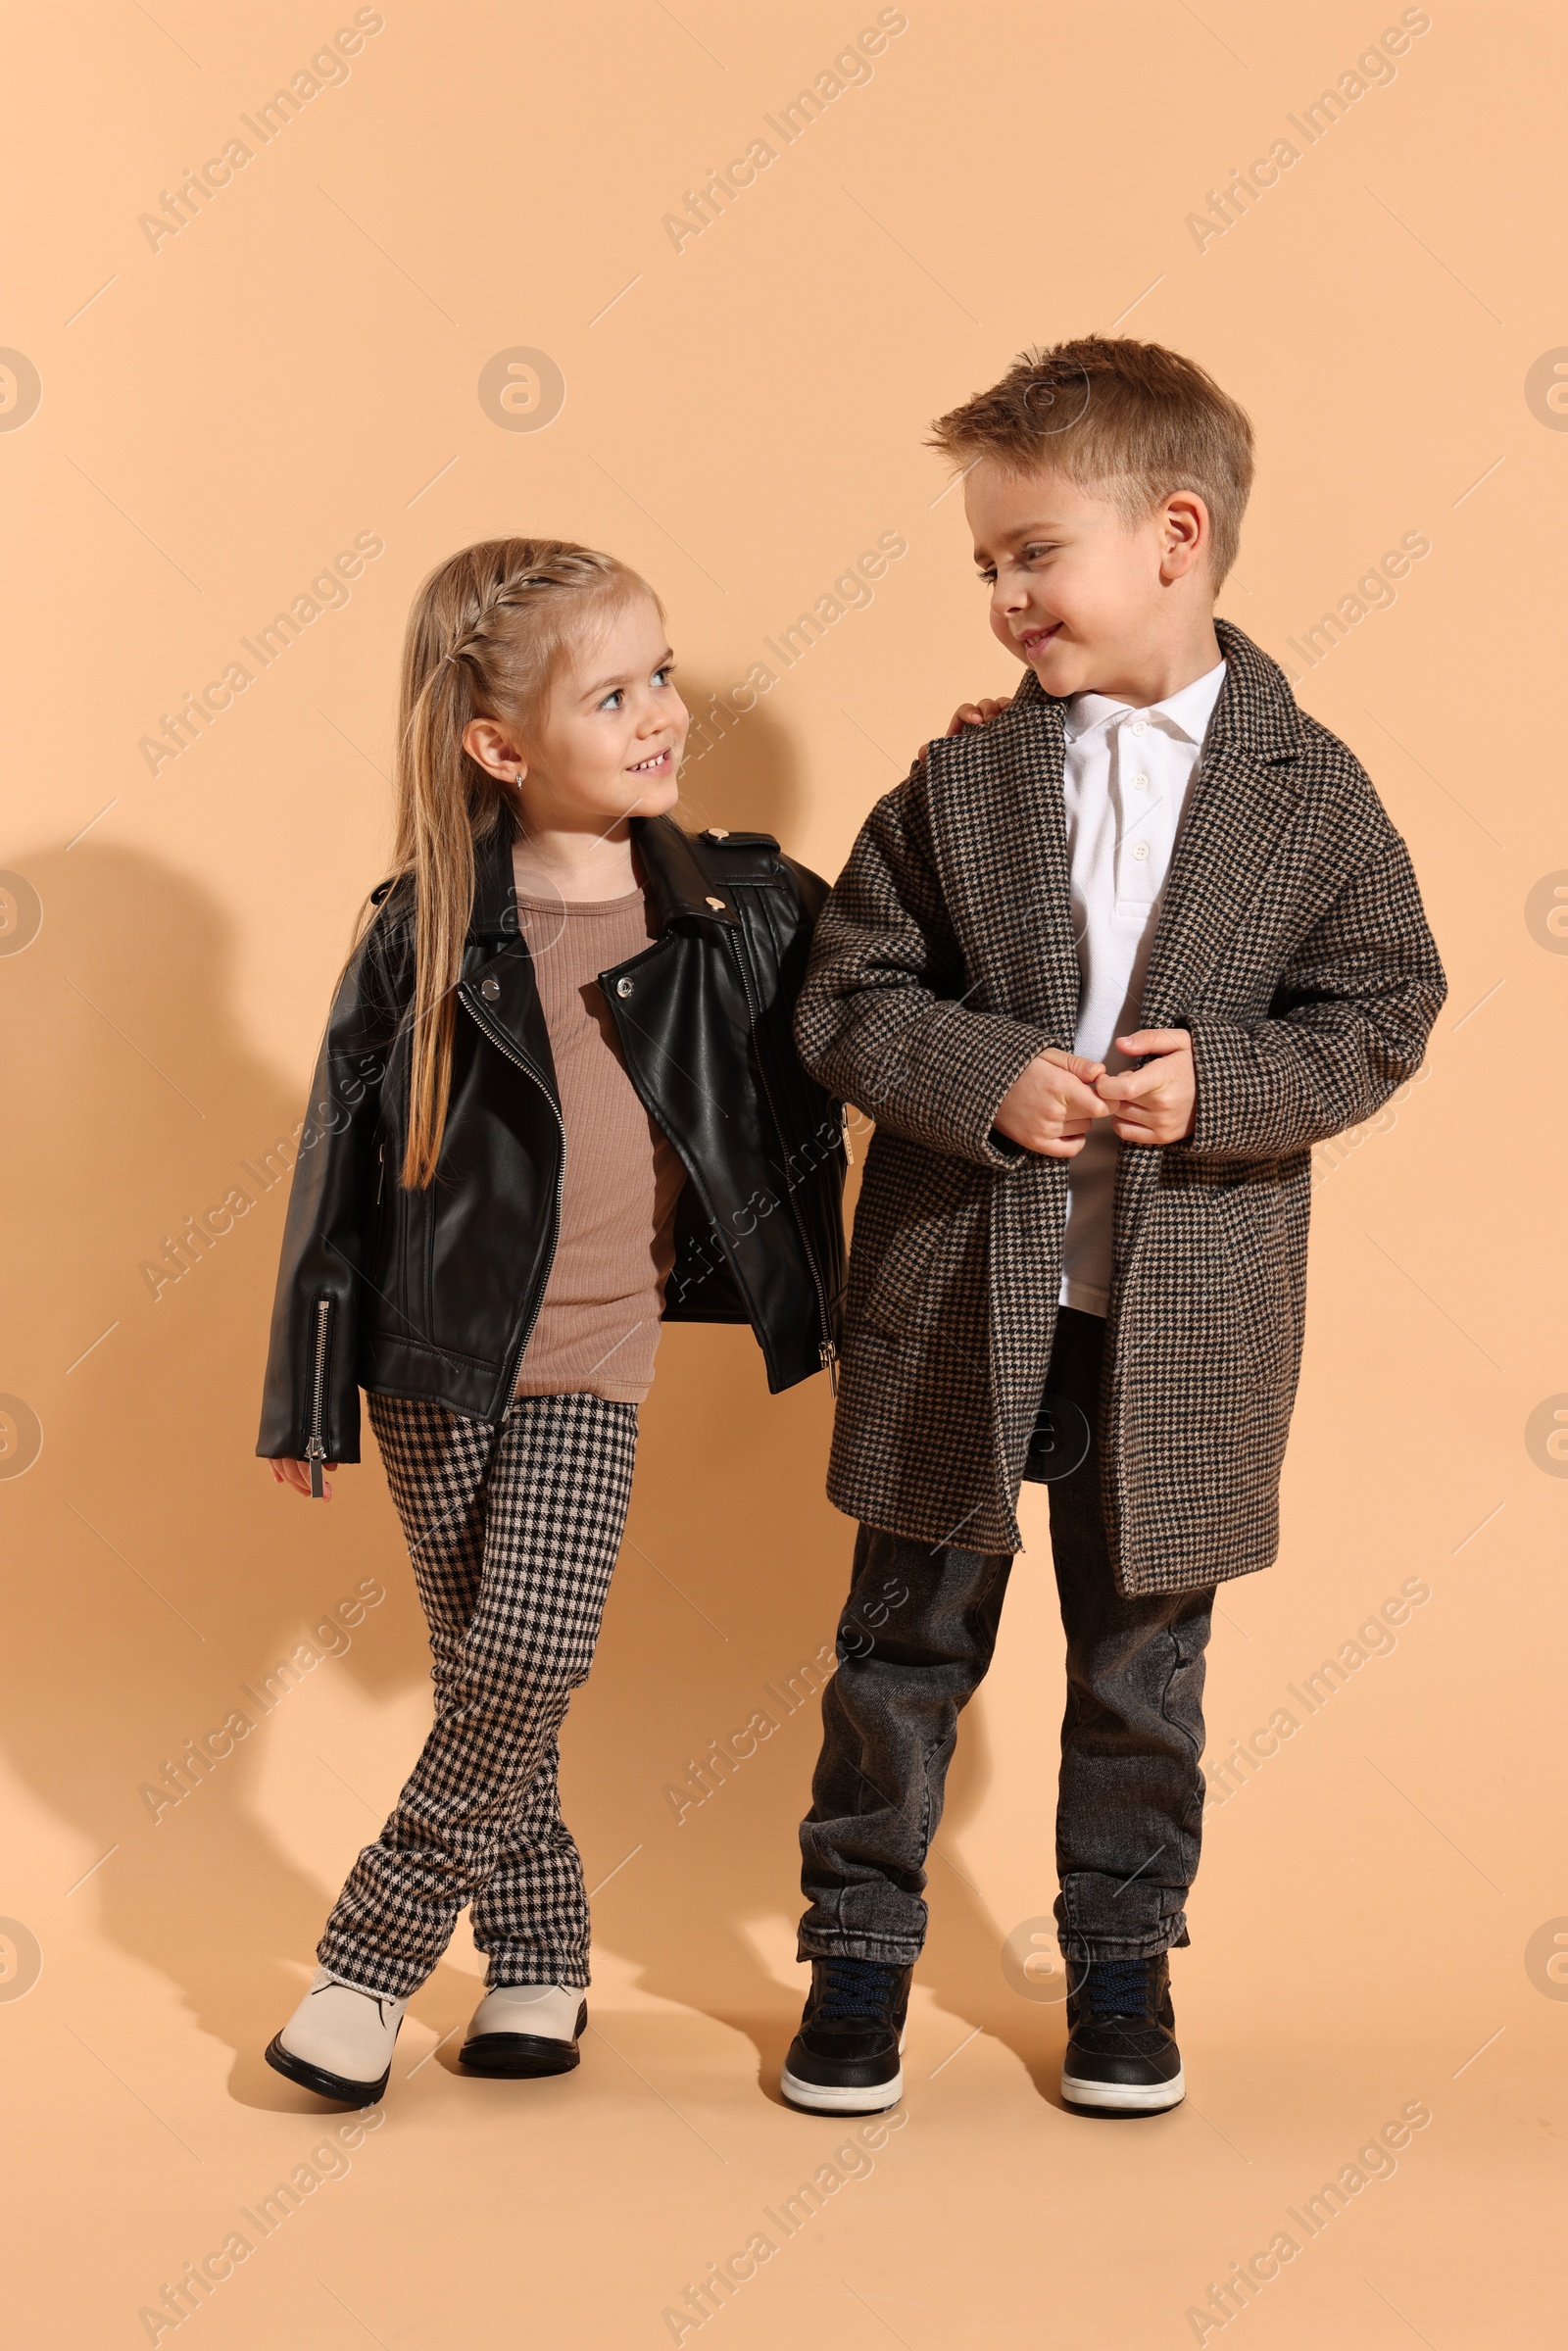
x=1076 y=592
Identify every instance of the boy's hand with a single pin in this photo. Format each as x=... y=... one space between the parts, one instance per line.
x=298 y=1475
x=1157 y=1103
x=1051 y=1108
x=978 y=714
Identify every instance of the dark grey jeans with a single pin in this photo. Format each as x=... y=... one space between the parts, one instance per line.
x=914 y=1641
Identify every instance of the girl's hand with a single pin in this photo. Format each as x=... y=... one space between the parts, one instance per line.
x=972 y=713
x=978 y=714
x=298 y=1475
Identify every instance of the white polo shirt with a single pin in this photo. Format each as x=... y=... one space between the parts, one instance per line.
x=1125 y=780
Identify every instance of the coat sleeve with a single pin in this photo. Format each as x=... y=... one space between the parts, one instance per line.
x=311 y=1390
x=1348 y=1023
x=883 y=1021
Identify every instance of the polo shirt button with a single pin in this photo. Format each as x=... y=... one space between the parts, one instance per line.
x=624 y=987
x=490 y=990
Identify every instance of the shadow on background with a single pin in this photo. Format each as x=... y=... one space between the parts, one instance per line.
x=182 y=1575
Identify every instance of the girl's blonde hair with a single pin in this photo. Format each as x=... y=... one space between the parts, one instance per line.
x=487 y=634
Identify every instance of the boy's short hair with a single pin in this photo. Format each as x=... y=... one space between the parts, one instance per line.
x=1132 y=422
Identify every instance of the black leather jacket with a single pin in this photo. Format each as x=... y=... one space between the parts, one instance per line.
x=433 y=1293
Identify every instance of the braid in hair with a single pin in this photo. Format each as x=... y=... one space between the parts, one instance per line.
x=487 y=633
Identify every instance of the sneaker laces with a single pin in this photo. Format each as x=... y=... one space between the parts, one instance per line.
x=856 y=1987
x=1118 y=1986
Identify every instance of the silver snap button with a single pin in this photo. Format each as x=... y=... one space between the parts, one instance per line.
x=490 y=990
x=624 y=987
x=717 y=905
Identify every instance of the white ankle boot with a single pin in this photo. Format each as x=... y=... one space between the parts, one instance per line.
x=525 y=2029
x=339 y=2040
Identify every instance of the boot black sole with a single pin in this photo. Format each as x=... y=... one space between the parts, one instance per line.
x=336 y=2086
x=518 y=2056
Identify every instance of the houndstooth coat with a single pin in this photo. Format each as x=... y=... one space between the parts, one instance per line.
x=1291 y=944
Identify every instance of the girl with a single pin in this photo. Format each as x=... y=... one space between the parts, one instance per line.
x=556 y=1100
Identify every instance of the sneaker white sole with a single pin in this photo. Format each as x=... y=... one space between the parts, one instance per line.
x=1125 y=2098
x=819 y=2097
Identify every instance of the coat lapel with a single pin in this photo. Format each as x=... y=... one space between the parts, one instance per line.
x=1001 y=835
x=1001 y=831
x=1240 y=804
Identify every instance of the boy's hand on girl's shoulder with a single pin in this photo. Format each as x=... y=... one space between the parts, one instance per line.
x=1052 y=1106
x=1157 y=1103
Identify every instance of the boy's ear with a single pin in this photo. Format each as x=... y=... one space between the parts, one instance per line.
x=1186 y=533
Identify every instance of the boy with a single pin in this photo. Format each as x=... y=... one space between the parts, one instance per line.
x=1102 y=970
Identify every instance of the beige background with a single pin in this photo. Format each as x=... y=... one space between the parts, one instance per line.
x=219 y=417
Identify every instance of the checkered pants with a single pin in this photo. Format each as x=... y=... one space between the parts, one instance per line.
x=513 y=1532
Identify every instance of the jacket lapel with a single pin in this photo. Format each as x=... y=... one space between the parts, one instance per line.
x=1240 y=802
x=498 y=958
x=678 y=883
x=498 y=984
x=495 y=897
x=1001 y=835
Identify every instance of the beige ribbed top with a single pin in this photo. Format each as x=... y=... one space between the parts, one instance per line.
x=598 y=1327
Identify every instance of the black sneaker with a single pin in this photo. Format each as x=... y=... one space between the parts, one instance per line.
x=1121 y=2055
x=845 y=2057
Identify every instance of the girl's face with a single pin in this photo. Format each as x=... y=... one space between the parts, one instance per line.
x=608 y=742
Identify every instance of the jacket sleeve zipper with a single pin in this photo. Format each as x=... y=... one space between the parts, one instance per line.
x=315 y=1443
x=826 y=1350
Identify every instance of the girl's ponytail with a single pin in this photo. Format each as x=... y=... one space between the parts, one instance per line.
x=485 y=637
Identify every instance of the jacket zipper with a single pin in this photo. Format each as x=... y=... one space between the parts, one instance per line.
x=315 y=1443
x=504 y=1044
x=826 y=1351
